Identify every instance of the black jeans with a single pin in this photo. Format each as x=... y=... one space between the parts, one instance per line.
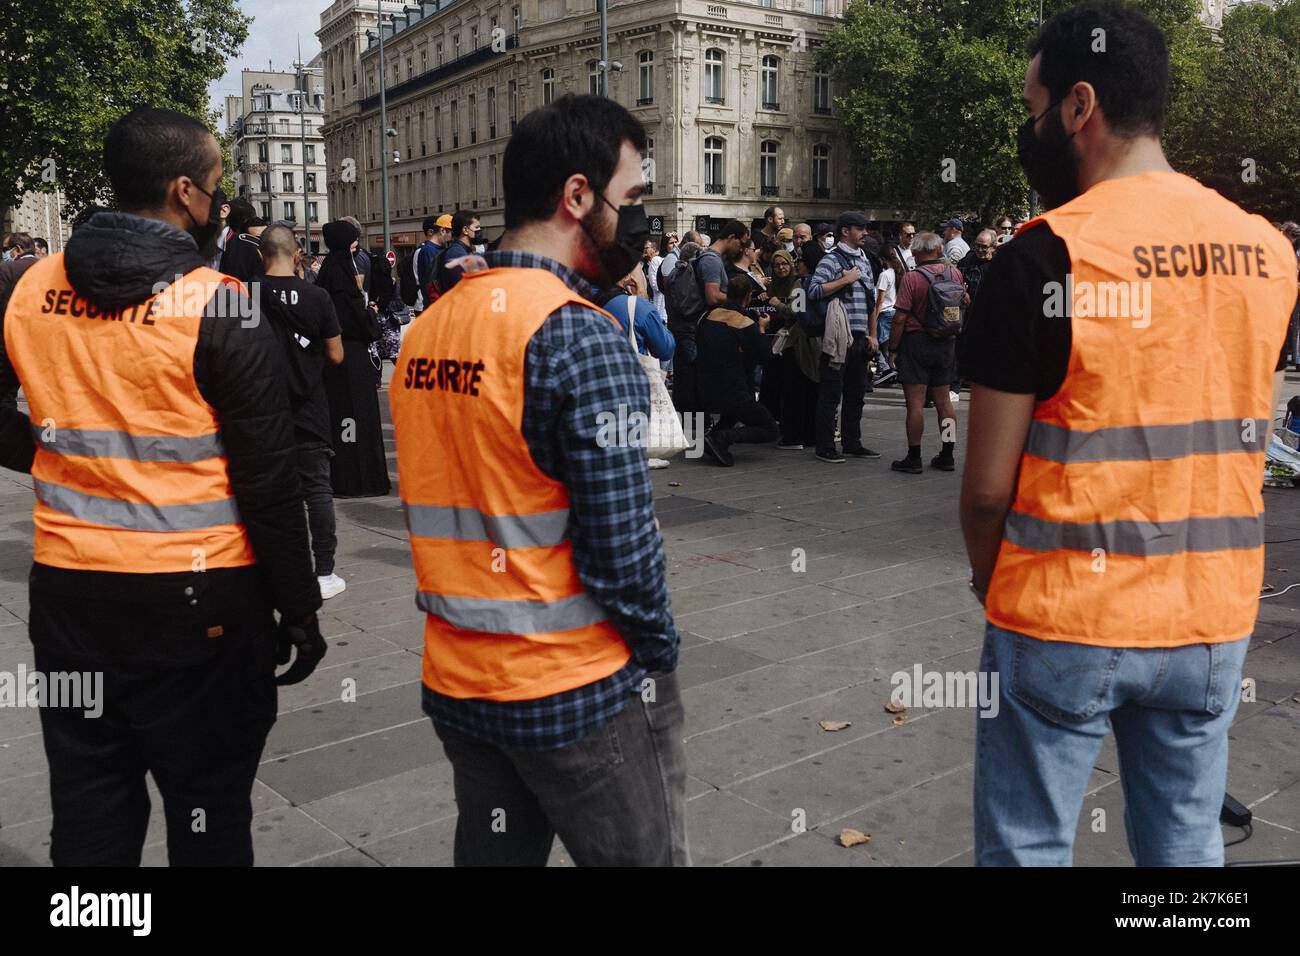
x=314 y=473
x=743 y=422
x=617 y=797
x=191 y=706
x=843 y=389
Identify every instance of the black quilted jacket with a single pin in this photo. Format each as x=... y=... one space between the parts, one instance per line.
x=115 y=260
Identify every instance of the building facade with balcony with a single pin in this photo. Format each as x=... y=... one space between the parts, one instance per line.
x=278 y=149
x=736 y=114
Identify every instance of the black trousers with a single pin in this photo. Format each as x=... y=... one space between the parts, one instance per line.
x=314 y=473
x=192 y=709
x=798 y=405
x=743 y=422
x=686 y=376
x=844 y=389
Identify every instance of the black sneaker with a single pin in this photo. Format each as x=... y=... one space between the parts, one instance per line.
x=718 y=452
x=889 y=377
x=942 y=463
x=929 y=403
x=909 y=465
x=832 y=457
x=863 y=452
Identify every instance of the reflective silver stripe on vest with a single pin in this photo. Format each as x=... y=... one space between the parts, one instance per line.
x=542 y=530
x=1140 y=538
x=134 y=516
x=90 y=443
x=512 y=617
x=1145 y=442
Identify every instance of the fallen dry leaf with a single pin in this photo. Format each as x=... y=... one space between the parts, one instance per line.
x=674 y=484
x=834 y=725
x=899 y=721
x=852 y=837
x=892 y=707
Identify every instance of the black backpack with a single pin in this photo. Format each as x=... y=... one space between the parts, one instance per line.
x=943 y=308
x=684 y=298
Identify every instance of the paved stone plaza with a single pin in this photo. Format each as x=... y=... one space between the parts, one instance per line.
x=768 y=653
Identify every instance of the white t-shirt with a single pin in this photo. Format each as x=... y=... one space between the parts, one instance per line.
x=909 y=260
x=886 y=289
x=955 y=249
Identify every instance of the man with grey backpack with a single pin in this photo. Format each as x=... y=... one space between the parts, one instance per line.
x=923 y=347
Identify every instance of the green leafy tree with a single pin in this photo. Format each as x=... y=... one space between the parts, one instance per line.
x=933 y=87
x=69 y=69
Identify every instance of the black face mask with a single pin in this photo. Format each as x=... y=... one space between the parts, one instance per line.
x=1049 y=163
x=206 y=234
x=618 y=258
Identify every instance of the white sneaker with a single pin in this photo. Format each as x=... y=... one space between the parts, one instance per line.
x=955 y=396
x=657 y=463
x=330 y=585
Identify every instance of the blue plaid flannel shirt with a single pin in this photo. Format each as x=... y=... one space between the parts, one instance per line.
x=577 y=365
x=857 y=298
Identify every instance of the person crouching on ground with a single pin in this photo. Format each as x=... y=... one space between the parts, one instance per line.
x=731 y=345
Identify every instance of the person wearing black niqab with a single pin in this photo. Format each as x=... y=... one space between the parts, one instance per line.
x=359 y=467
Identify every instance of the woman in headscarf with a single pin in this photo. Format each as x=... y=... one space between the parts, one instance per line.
x=797 y=365
x=359 y=467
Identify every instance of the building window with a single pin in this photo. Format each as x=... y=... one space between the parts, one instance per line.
x=819 y=7
x=473 y=184
x=821 y=92
x=264 y=182
x=310 y=156
x=311 y=212
x=771 y=99
x=266 y=211
x=437 y=129
x=646 y=72
x=548 y=87
x=455 y=126
x=492 y=112
x=513 y=105
x=311 y=182
x=261 y=152
x=714 y=175
x=593 y=80
x=288 y=211
x=714 y=88
x=455 y=47
x=649 y=166
x=424 y=149
x=406 y=128
x=438 y=52
x=767 y=167
x=821 y=171
x=765 y=3
x=424 y=59
x=473 y=118
x=492 y=171
x=410 y=67
x=518 y=16
x=286 y=152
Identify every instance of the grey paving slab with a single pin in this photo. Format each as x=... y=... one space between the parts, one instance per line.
x=331 y=682
x=766 y=611
x=810 y=848
x=350 y=763
x=709 y=662
x=721 y=827
x=386 y=807
x=1264 y=753
x=315 y=726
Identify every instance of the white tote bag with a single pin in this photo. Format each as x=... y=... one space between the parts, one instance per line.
x=664 y=436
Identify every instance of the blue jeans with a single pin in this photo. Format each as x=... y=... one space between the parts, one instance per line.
x=884 y=325
x=1170 y=709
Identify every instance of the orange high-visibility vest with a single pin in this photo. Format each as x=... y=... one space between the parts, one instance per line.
x=1138 y=517
x=130 y=473
x=507 y=615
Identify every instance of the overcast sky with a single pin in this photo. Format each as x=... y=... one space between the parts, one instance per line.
x=277 y=25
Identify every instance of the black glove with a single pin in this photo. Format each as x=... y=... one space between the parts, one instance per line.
x=311 y=648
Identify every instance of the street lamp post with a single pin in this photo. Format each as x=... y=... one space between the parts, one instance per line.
x=1033 y=194
x=383 y=127
x=303 y=73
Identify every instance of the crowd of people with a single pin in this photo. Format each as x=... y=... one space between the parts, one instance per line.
x=803 y=383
